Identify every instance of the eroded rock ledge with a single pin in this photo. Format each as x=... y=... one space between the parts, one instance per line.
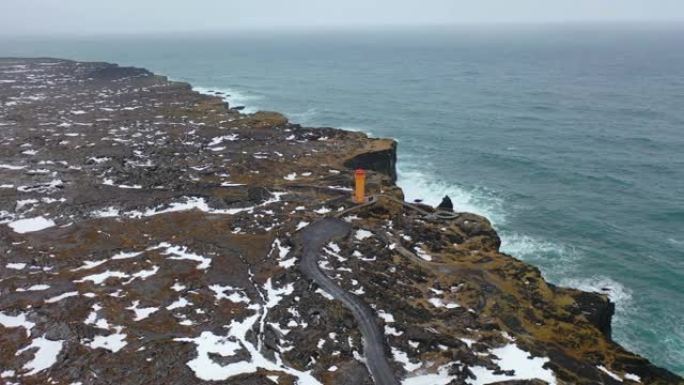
x=146 y=237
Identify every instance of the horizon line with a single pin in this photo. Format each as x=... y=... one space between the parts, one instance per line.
x=493 y=25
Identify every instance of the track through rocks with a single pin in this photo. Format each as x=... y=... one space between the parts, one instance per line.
x=312 y=238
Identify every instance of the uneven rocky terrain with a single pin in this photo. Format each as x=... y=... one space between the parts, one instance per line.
x=152 y=235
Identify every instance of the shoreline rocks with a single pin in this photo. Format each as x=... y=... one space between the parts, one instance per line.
x=172 y=260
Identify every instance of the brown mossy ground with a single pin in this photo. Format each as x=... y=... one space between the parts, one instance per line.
x=146 y=165
x=496 y=293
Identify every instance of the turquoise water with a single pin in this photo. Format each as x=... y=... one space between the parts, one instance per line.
x=570 y=140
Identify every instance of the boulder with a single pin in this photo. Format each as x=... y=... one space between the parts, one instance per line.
x=446 y=204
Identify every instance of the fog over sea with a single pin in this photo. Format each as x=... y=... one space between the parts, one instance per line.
x=570 y=139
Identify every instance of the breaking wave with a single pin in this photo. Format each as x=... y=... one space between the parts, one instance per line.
x=557 y=262
x=617 y=292
x=419 y=185
x=234 y=97
x=305 y=117
x=620 y=295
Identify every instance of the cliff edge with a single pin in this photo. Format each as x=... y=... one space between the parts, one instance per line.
x=148 y=235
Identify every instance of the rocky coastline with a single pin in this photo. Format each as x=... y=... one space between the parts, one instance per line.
x=149 y=235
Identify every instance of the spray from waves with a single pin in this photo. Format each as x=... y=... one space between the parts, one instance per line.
x=252 y=103
x=628 y=321
x=618 y=294
x=233 y=97
x=555 y=260
x=420 y=185
x=312 y=117
x=542 y=253
x=558 y=262
x=306 y=117
x=517 y=244
x=356 y=129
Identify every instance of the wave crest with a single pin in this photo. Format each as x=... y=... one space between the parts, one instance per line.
x=419 y=185
x=233 y=97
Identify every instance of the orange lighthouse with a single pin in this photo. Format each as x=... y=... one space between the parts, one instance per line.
x=360 y=191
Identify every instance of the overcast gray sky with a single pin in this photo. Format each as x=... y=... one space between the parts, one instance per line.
x=131 y=16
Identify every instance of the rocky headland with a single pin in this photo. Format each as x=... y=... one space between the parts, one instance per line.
x=150 y=234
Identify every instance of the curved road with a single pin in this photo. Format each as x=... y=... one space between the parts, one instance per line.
x=312 y=238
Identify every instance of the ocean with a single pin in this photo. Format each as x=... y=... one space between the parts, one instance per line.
x=569 y=139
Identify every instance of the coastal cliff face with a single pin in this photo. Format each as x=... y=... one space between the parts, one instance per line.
x=379 y=155
x=147 y=236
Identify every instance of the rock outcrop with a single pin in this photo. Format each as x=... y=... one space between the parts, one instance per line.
x=378 y=155
x=446 y=204
x=147 y=236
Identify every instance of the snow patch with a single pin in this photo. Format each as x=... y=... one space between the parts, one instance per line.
x=442 y=377
x=17 y=321
x=511 y=357
x=362 y=234
x=35 y=288
x=422 y=253
x=437 y=302
x=113 y=342
x=29 y=225
x=181 y=253
x=45 y=354
x=141 y=313
x=100 y=278
x=236 y=296
x=403 y=359
x=325 y=294
x=61 y=297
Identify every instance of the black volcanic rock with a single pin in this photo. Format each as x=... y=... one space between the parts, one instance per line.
x=114 y=72
x=446 y=204
x=146 y=237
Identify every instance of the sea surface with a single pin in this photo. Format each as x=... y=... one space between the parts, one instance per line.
x=570 y=139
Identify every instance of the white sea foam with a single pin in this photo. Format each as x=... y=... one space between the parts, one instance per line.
x=556 y=260
x=304 y=117
x=422 y=185
x=357 y=129
x=419 y=185
x=234 y=98
x=618 y=293
x=521 y=245
x=539 y=252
